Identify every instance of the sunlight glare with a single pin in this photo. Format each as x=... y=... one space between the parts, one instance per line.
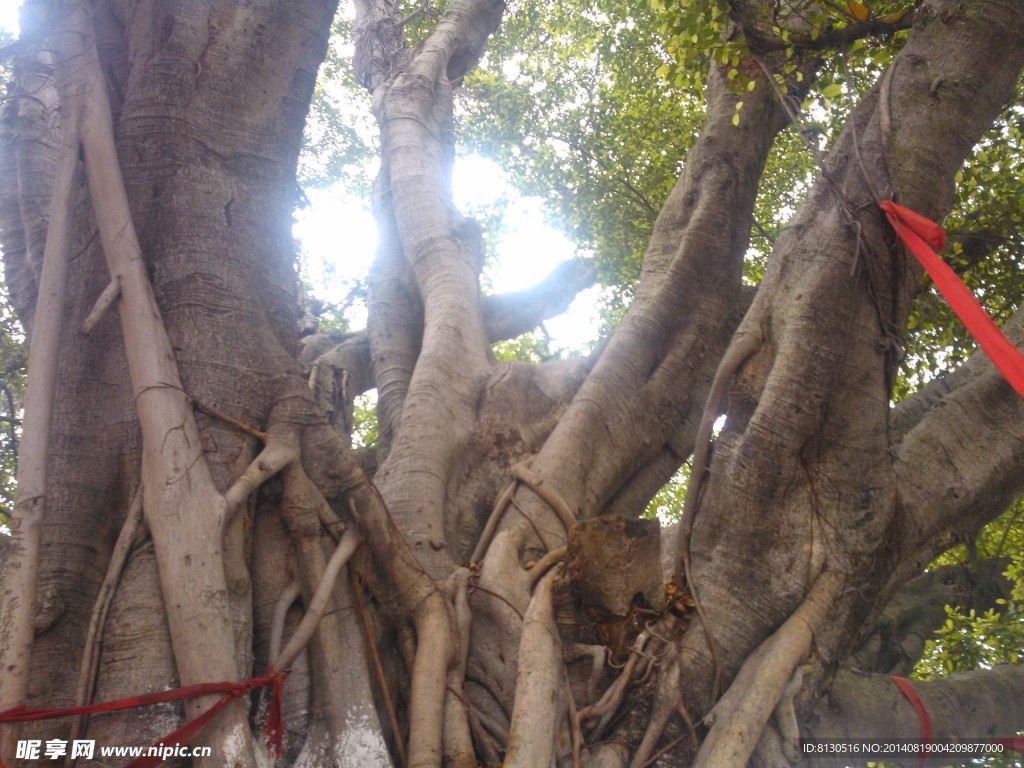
x=9 y=16
x=338 y=239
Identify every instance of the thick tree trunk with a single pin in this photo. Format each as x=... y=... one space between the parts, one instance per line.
x=464 y=639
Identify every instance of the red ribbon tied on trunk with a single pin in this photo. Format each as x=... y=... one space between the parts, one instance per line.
x=921 y=235
x=923 y=717
x=188 y=731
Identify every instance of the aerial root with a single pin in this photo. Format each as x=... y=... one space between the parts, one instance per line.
x=666 y=698
x=284 y=601
x=543 y=565
x=458 y=733
x=378 y=669
x=18 y=606
x=280 y=450
x=487 y=744
x=540 y=684
x=522 y=474
x=575 y=732
x=492 y=522
x=241 y=426
x=458 y=728
x=764 y=681
x=691 y=730
x=547 y=493
x=126 y=540
x=743 y=345
x=320 y=600
x=598 y=655
x=606 y=707
x=481 y=737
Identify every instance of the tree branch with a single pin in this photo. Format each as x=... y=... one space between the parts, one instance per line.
x=918 y=609
x=443 y=254
x=651 y=374
x=962 y=464
x=907 y=413
x=507 y=315
x=745 y=14
x=395 y=325
x=802 y=472
x=984 y=704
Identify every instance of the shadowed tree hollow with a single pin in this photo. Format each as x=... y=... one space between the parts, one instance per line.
x=479 y=586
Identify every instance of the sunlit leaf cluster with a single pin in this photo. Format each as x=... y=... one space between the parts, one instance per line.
x=979 y=640
x=339 y=136
x=565 y=100
x=529 y=348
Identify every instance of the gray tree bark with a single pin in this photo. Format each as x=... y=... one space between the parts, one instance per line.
x=472 y=620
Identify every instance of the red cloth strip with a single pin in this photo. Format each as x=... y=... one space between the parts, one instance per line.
x=925 y=719
x=918 y=233
x=1014 y=743
x=184 y=734
x=188 y=731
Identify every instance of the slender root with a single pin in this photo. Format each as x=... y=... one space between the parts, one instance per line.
x=496 y=596
x=481 y=737
x=742 y=346
x=574 y=725
x=739 y=717
x=318 y=604
x=543 y=565
x=532 y=523
x=492 y=522
x=378 y=669
x=279 y=451
x=241 y=426
x=494 y=727
x=610 y=701
x=98 y=621
x=712 y=643
x=690 y=728
x=284 y=602
x=551 y=497
x=663 y=751
x=598 y=654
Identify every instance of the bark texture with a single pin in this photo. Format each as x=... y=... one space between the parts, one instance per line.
x=479 y=590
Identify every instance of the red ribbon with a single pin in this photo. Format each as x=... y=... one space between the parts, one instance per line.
x=918 y=233
x=925 y=719
x=188 y=731
x=1014 y=744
